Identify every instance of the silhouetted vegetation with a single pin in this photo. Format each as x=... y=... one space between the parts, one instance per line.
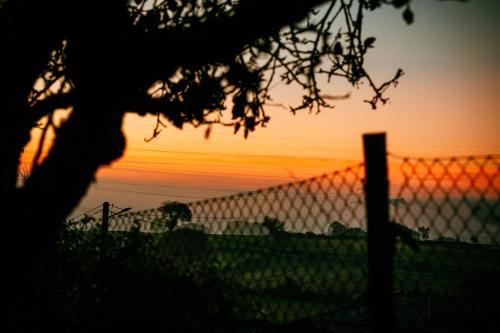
x=337 y=229
x=175 y=212
x=424 y=232
x=138 y=286
x=273 y=224
x=186 y=280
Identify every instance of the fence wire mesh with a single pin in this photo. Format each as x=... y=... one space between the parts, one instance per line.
x=297 y=249
x=450 y=208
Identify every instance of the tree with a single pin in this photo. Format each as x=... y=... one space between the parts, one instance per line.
x=406 y=235
x=424 y=232
x=336 y=229
x=175 y=212
x=273 y=224
x=184 y=61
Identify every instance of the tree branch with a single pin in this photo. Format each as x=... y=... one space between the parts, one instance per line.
x=216 y=38
x=46 y=106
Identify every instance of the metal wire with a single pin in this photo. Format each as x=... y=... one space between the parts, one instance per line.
x=299 y=249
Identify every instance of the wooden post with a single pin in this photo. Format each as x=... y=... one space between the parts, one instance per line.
x=104 y=228
x=380 y=236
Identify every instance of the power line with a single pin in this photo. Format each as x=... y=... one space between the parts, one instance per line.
x=280 y=142
x=151 y=166
x=172 y=186
x=83 y=208
x=238 y=165
x=228 y=167
x=233 y=154
x=87 y=212
x=148 y=193
x=199 y=173
x=281 y=138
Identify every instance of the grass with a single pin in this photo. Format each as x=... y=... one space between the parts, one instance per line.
x=291 y=276
x=285 y=277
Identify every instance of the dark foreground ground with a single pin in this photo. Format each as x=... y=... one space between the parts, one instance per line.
x=193 y=282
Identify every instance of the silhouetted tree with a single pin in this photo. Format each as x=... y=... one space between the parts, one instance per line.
x=179 y=60
x=174 y=212
x=336 y=229
x=273 y=224
x=406 y=235
x=424 y=232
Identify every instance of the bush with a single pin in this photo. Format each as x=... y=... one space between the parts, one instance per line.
x=424 y=232
x=187 y=241
x=336 y=229
x=133 y=287
x=274 y=225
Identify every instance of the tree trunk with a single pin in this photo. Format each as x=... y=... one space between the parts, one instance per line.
x=25 y=51
x=83 y=144
x=22 y=59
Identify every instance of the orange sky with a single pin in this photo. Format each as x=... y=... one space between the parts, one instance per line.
x=446 y=104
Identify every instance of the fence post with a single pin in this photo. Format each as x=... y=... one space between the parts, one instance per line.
x=380 y=236
x=104 y=228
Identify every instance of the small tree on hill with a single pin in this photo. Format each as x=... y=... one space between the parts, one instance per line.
x=175 y=212
x=336 y=228
x=424 y=232
x=273 y=224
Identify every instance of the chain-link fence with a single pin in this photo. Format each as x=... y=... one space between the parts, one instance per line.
x=450 y=208
x=299 y=250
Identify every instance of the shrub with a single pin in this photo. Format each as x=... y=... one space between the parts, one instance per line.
x=273 y=224
x=133 y=287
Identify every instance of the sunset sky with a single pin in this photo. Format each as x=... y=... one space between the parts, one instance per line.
x=446 y=104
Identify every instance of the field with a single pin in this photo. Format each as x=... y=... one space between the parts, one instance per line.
x=300 y=282
x=292 y=276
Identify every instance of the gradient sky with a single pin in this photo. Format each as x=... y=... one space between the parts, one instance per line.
x=446 y=104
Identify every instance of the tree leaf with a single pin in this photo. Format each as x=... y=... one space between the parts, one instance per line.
x=399 y=3
x=237 y=127
x=408 y=15
x=369 y=42
x=208 y=131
